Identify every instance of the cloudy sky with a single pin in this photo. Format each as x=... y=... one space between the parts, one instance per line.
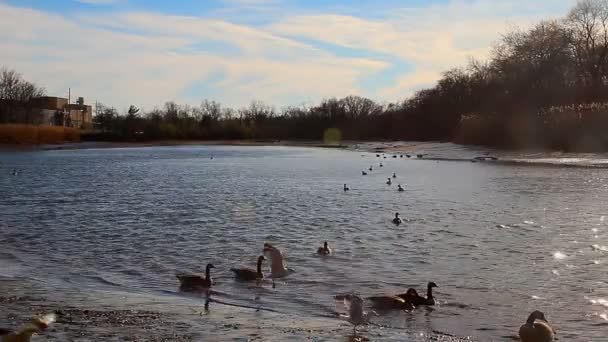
x=146 y=52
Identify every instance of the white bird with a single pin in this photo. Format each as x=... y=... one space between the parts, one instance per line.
x=277 y=266
x=354 y=306
x=37 y=325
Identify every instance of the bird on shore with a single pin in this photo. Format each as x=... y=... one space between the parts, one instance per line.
x=400 y=188
x=277 y=265
x=354 y=305
x=389 y=181
x=194 y=280
x=346 y=188
x=36 y=326
x=324 y=250
x=397 y=220
x=536 y=329
x=363 y=173
x=417 y=299
x=248 y=274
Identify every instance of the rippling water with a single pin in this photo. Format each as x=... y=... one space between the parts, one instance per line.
x=112 y=226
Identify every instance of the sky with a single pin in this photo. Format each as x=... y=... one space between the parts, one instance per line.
x=282 y=52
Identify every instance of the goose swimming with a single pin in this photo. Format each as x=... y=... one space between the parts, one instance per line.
x=381 y=165
x=324 y=250
x=37 y=325
x=536 y=329
x=248 y=274
x=370 y=168
x=417 y=299
x=363 y=173
x=389 y=181
x=397 y=220
x=193 y=280
x=391 y=303
x=346 y=188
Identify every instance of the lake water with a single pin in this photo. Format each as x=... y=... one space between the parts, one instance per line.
x=112 y=226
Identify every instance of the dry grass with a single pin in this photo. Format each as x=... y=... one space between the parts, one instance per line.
x=36 y=135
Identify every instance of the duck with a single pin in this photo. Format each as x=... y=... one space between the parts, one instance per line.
x=36 y=326
x=417 y=299
x=324 y=250
x=354 y=306
x=408 y=155
x=277 y=266
x=370 y=168
x=15 y=172
x=395 y=156
x=401 y=156
x=419 y=155
x=191 y=280
x=248 y=274
x=377 y=155
x=397 y=220
x=346 y=188
x=389 y=181
x=363 y=173
x=381 y=165
x=400 y=188
x=394 y=175
x=536 y=329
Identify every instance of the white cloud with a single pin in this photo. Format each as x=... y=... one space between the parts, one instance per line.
x=147 y=58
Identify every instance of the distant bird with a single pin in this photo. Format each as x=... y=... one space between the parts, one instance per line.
x=277 y=265
x=346 y=188
x=354 y=306
x=400 y=188
x=394 y=175
x=377 y=155
x=324 y=250
x=248 y=274
x=536 y=329
x=389 y=181
x=211 y=157
x=418 y=300
x=381 y=165
x=397 y=220
x=36 y=326
x=419 y=155
x=401 y=156
x=363 y=173
x=194 y=280
x=407 y=155
x=384 y=157
x=15 y=172
x=370 y=168
x=395 y=156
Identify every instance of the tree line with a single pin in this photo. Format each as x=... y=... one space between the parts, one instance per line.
x=545 y=86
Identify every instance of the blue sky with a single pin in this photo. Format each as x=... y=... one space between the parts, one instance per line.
x=282 y=52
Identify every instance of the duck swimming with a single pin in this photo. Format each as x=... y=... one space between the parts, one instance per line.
x=417 y=299
x=397 y=219
x=25 y=335
x=389 y=181
x=192 y=280
x=381 y=165
x=248 y=274
x=400 y=188
x=346 y=188
x=324 y=250
x=370 y=168
x=363 y=173
x=536 y=329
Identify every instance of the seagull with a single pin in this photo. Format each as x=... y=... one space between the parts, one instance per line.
x=354 y=305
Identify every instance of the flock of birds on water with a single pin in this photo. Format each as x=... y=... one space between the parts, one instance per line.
x=535 y=329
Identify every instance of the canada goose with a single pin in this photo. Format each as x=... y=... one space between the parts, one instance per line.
x=370 y=168
x=418 y=300
x=389 y=181
x=395 y=156
x=190 y=280
x=401 y=156
x=277 y=266
x=408 y=155
x=377 y=155
x=247 y=273
x=381 y=165
x=400 y=188
x=536 y=329
x=397 y=220
x=354 y=306
x=390 y=303
x=346 y=188
x=394 y=175
x=325 y=250
x=363 y=173
x=25 y=335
